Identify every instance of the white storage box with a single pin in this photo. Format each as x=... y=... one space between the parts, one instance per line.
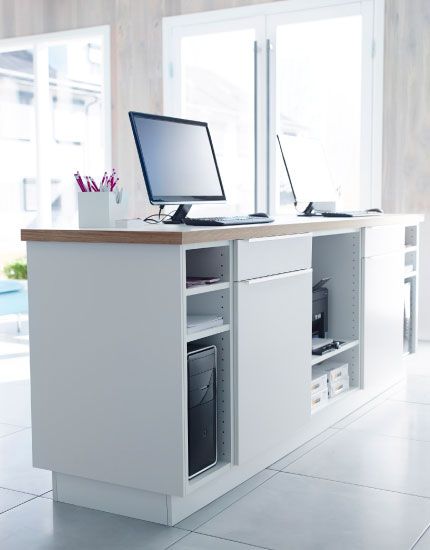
x=335 y=370
x=339 y=386
x=319 y=399
x=319 y=381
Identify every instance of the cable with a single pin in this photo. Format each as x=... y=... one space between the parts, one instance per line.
x=158 y=218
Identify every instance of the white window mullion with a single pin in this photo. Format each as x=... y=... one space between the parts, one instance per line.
x=43 y=134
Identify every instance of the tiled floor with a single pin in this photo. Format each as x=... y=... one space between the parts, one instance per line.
x=364 y=484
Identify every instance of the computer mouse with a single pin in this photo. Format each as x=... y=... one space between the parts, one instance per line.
x=378 y=210
x=259 y=215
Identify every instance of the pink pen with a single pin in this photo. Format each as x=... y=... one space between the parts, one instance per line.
x=94 y=185
x=79 y=178
x=79 y=182
x=114 y=183
x=88 y=183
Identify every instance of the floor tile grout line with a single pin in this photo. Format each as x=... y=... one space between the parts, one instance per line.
x=12 y=433
x=305 y=453
x=236 y=541
x=20 y=504
x=176 y=541
x=237 y=500
x=356 y=485
x=408 y=401
x=388 y=435
x=24 y=492
x=12 y=425
x=420 y=537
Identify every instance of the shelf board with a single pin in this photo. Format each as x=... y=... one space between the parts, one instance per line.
x=316 y=359
x=410 y=248
x=209 y=332
x=333 y=400
x=410 y=274
x=203 y=289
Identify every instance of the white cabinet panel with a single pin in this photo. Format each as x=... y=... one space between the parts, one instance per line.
x=273 y=360
x=272 y=255
x=383 y=240
x=383 y=320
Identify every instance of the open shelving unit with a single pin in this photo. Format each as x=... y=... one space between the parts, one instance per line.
x=339 y=256
x=213 y=261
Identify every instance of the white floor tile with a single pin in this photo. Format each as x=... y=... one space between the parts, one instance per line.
x=194 y=541
x=344 y=422
x=294 y=512
x=10 y=499
x=215 y=507
x=16 y=470
x=15 y=403
x=370 y=460
x=396 y=419
x=297 y=453
x=416 y=390
x=44 y=524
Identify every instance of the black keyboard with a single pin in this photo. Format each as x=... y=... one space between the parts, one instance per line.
x=225 y=220
x=351 y=214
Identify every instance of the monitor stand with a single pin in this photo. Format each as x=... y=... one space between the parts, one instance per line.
x=309 y=210
x=180 y=214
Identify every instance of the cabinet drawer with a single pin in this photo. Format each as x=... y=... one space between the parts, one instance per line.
x=382 y=240
x=272 y=255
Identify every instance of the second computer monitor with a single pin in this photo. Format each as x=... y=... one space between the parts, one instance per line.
x=307 y=169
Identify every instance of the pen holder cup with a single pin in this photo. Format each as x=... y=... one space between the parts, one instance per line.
x=101 y=210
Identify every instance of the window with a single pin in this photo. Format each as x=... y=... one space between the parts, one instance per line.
x=54 y=108
x=313 y=71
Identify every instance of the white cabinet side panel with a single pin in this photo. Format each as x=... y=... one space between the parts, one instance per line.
x=106 y=341
x=383 y=320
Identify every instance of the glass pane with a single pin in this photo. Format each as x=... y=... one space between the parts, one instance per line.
x=218 y=88
x=318 y=68
x=76 y=80
x=18 y=204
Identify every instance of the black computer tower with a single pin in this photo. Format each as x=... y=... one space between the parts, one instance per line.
x=202 y=408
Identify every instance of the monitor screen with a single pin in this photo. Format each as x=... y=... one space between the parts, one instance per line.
x=178 y=159
x=307 y=169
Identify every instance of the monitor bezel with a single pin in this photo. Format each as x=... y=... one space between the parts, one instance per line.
x=174 y=199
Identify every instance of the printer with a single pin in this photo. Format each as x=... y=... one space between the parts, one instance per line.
x=320 y=309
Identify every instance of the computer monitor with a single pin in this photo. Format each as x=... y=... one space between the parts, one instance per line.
x=307 y=169
x=178 y=161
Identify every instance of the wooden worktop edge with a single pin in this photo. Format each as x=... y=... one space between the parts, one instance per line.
x=212 y=234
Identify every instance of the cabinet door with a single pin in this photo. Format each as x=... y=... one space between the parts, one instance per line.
x=382 y=320
x=273 y=330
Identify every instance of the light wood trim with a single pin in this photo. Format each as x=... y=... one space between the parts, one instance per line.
x=189 y=235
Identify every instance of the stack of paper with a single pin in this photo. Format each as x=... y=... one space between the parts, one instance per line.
x=197 y=323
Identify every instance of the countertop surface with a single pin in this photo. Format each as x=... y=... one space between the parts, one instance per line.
x=183 y=234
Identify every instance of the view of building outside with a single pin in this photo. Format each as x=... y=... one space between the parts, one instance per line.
x=73 y=135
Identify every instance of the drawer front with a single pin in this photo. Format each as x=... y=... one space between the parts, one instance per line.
x=272 y=255
x=382 y=240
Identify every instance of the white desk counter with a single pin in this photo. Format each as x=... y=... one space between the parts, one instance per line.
x=108 y=348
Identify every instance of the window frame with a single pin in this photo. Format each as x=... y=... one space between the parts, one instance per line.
x=39 y=44
x=263 y=17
